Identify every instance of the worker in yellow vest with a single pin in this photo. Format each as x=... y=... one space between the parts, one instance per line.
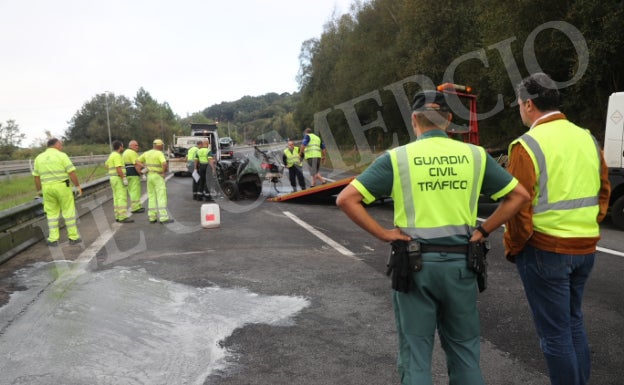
x=292 y=161
x=52 y=172
x=130 y=157
x=156 y=163
x=205 y=165
x=191 y=154
x=314 y=152
x=435 y=183
x=119 y=183
x=553 y=240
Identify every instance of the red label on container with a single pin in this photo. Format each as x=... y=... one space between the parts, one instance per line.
x=210 y=217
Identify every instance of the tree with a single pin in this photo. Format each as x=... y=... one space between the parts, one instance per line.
x=10 y=139
x=10 y=134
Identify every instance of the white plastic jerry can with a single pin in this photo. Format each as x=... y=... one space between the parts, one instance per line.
x=210 y=215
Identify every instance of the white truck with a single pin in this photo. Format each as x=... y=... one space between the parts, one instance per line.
x=177 y=152
x=614 y=155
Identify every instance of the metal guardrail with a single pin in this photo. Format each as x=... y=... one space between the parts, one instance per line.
x=24 y=225
x=21 y=166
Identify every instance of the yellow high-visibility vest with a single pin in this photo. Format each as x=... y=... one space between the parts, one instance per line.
x=436 y=186
x=293 y=157
x=204 y=155
x=191 y=153
x=153 y=160
x=52 y=166
x=564 y=206
x=115 y=160
x=313 y=148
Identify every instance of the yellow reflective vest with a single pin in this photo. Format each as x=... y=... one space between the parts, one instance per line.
x=293 y=157
x=562 y=207
x=115 y=160
x=313 y=148
x=436 y=186
x=191 y=154
x=129 y=157
x=52 y=166
x=153 y=160
x=204 y=155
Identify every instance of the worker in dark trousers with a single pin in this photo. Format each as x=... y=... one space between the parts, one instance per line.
x=205 y=166
x=292 y=160
x=191 y=154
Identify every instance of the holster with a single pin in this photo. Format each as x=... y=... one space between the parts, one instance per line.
x=476 y=261
x=405 y=259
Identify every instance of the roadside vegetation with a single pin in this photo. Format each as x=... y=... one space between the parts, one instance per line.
x=360 y=58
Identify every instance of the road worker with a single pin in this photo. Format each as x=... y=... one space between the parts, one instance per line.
x=191 y=154
x=156 y=163
x=52 y=172
x=292 y=160
x=119 y=183
x=205 y=165
x=314 y=152
x=130 y=157
x=435 y=216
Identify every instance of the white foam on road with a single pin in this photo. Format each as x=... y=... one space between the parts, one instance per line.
x=124 y=326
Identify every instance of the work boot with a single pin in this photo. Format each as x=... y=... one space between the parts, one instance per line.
x=75 y=241
x=125 y=220
x=52 y=243
x=167 y=221
x=208 y=198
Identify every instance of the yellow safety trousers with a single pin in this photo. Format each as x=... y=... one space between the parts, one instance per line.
x=58 y=199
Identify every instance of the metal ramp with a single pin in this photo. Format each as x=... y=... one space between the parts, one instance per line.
x=317 y=192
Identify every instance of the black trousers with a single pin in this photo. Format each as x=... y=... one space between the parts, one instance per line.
x=295 y=173
x=205 y=179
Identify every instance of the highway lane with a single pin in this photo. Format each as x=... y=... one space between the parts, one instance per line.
x=307 y=258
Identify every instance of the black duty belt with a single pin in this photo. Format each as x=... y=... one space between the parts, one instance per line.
x=457 y=249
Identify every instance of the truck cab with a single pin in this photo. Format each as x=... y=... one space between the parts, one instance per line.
x=614 y=155
x=208 y=131
x=177 y=152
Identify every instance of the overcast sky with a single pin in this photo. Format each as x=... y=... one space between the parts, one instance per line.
x=57 y=55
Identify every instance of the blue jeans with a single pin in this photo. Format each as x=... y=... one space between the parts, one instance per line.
x=554 y=285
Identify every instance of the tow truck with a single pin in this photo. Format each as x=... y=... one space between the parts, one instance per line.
x=466 y=130
x=181 y=144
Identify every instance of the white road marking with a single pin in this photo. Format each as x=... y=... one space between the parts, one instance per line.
x=337 y=246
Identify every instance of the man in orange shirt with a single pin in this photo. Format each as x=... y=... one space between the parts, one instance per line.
x=553 y=239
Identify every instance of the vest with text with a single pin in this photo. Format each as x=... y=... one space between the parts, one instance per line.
x=436 y=186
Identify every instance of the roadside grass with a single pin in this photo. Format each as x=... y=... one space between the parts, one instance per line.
x=17 y=190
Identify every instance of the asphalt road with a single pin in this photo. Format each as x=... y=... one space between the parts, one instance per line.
x=339 y=327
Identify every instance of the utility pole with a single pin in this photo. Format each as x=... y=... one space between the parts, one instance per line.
x=110 y=142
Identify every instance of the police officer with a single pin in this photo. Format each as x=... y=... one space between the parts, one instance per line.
x=314 y=152
x=191 y=154
x=52 y=172
x=156 y=163
x=205 y=165
x=435 y=183
x=130 y=157
x=119 y=183
x=292 y=160
x=563 y=167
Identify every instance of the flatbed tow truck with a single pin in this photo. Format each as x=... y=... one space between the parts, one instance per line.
x=320 y=191
x=467 y=132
